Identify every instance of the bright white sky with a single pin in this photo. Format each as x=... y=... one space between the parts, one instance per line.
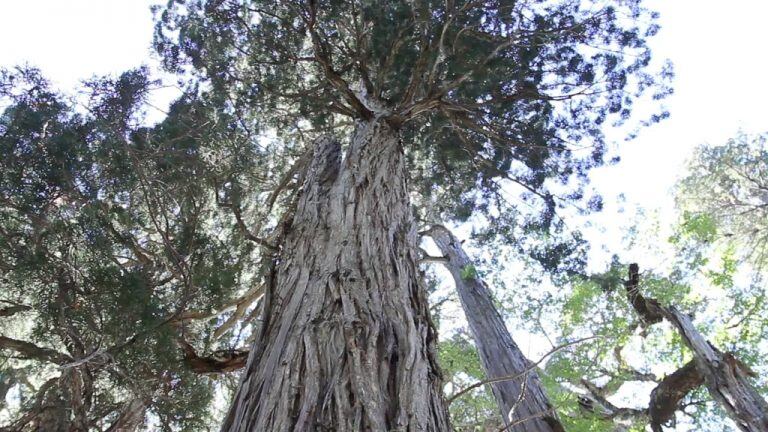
x=720 y=87
x=75 y=39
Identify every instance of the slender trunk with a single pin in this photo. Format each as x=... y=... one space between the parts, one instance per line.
x=518 y=399
x=347 y=343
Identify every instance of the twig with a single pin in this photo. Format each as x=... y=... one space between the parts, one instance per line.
x=518 y=375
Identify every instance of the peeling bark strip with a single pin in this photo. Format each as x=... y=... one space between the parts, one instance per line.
x=499 y=354
x=347 y=343
x=131 y=416
x=224 y=361
x=725 y=376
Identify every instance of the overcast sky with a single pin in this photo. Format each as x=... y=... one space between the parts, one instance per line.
x=719 y=55
x=718 y=51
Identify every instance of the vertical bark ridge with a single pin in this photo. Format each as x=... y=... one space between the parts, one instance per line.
x=131 y=416
x=348 y=344
x=499 y=354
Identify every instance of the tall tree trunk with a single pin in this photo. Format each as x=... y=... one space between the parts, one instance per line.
x=522 y=401
x=348 y=344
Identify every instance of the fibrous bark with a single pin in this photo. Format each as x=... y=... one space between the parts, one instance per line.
x=347 y=343
x=724 y=375
x=220 y=362
x=131 y=416
x=518 y=399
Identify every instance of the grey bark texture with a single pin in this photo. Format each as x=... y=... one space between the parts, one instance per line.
x=724 y=375
x=347 y=343
x=131 y=416
x=726 y=378
x=523 y=402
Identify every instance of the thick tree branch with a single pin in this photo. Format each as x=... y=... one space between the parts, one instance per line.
x=13 y=310
x=220 y=362
x=323 y=58
x=724 y=375
x=667 y=396
x=32 y=351
x=426 y=258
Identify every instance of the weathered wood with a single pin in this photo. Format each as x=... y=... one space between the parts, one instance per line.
x=666 y=397
x=726 y=378
x=499 y=354
x=347 y=343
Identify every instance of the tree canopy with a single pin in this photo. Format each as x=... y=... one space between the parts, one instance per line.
x=487 y=92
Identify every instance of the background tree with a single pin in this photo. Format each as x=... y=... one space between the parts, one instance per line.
x=714 y=274
x=724 y=197
x=512 y=377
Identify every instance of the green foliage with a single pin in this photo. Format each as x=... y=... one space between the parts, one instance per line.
x=461 y=368
x=716 y=276
x=723 y=277
x=468 y=272
x=723 y=197
x=109 y=229
x=490 y=97
x=701 y=227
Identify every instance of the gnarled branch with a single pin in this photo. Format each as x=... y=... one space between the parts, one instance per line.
x=32 y=351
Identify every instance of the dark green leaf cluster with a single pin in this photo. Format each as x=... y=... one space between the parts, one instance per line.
x=111 y=230
x=487 y=93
